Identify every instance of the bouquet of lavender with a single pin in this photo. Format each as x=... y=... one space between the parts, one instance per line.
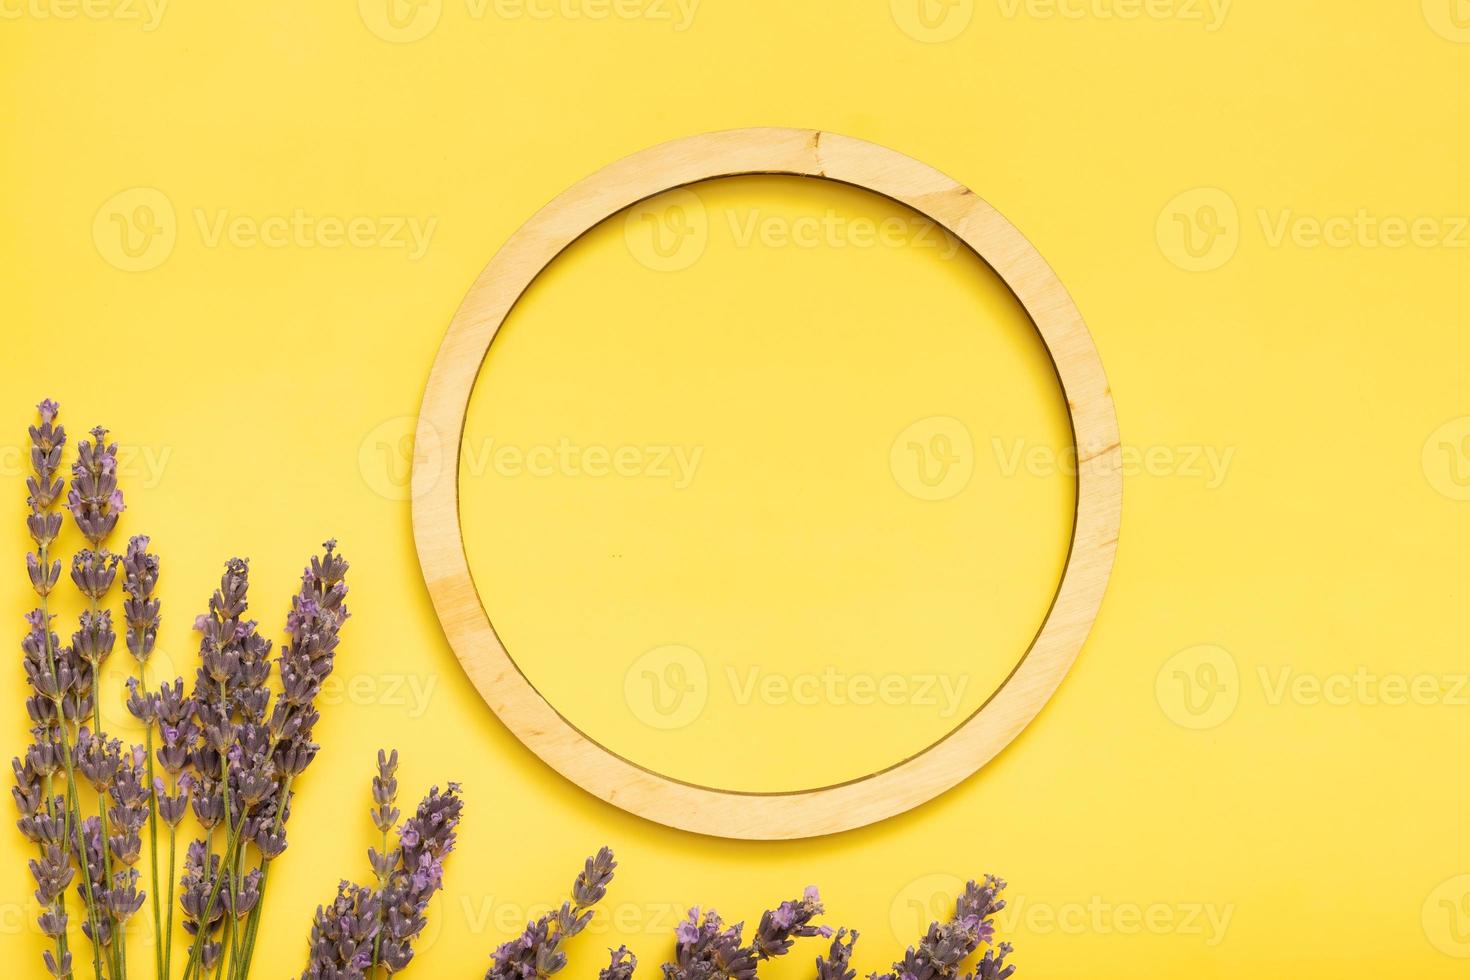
x=229 y=750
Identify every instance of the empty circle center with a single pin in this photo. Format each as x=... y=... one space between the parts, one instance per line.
x=766 y=484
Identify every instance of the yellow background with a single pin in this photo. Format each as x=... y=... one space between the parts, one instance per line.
x=1148 y=827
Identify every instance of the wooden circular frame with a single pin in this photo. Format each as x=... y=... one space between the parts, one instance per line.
x=828 y=809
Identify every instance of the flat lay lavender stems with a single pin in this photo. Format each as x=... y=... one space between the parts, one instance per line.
x=229 y=749
x=707 y=949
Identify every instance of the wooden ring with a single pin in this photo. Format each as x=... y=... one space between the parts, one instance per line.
x=829 y=809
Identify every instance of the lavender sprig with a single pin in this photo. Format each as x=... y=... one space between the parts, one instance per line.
x=62 y=686
x=946 y=946
x=231 y=761
x=368 y=928
x=204 y=912
x=96 y=502
x=424 y=841
x=313 y=626
x=837 y=964
x=537 y=952
x=706 y=948
x=621 y=964
x=141 y=614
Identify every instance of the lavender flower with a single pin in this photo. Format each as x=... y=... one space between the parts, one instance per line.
x=140 y=609
x=706 y=948
x=368 y=927
x=96 y=503
x=95 y=500
x=131 y=795
x=621 y=965
x=61 y=687
x=836 y=966
x=947 y=945
x=424 y=841
x=537 y=952
x=204 y=911
x=92 y=849
x=224 y=753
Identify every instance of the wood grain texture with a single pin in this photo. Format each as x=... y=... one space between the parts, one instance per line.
x=828 y=809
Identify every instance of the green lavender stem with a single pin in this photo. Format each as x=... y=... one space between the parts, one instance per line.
x=168 y=934
x=153 y=835
x=119 y=960
x=252 y=922
x=227 y=866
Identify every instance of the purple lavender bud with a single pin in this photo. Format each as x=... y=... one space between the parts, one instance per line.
x=171 y=809
x=95 y=501
x=385 y=791
x=98 y=759
x=60 y=970
x=200 y=914
x=140 y=609
x=597 y=874
x=621 y=965
x=272 y=843
x=248 y=893
x=141 y=704
x=123 y=898
x=94 y=638
x=44 y=527
x=52 y=872
x=28 y=792
x=836 y=965
x=43 y=576
x=779 y=928
x=47 y=440
x=44 y=755
x=53 y=921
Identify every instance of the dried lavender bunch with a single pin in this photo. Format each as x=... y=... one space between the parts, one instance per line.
x=706 y=949
x=948 y=945
x=537 y=952
x=223 y=753
x=368 y=929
